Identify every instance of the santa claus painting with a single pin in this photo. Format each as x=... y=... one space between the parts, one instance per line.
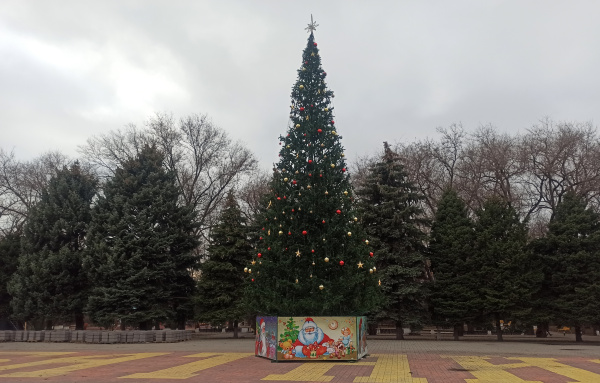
x=312 y=342
x=261 y=345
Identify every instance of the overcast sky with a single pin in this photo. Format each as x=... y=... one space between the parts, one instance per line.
x=399 y=69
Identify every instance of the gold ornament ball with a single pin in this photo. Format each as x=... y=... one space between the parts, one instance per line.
x=308 y=186
x=333 y=132
x=249 y=271
x=326 y=259
x=297 y=126
x=303 y=68
x=322 y=145
x=345 y=192
x=367 y=241
x=245 y=269
x=326 y=109
x=297 y=172
x=343 y=155
x=332 y=166
x=349 y=234
x=287 y=146
x=285 y=179
x=321 y=287
x=280 y=232
x=301 y=87
x=326 y=192
x=356 y=220
x=296 y=280
x=371 y=271
x=374 y=268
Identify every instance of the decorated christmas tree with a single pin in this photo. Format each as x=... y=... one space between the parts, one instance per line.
x=312 y=257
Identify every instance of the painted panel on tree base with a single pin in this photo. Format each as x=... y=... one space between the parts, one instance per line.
x=317 y=338
x=361 y=339
x=266 y=337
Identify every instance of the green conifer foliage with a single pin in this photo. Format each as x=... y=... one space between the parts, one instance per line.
x=50 y=282
x=504 y=266
x=140 y=255
x=572 y=248
x=394 y=220
x=451 y=249
x=220 y=288
x=311 y=258
x=10 y=248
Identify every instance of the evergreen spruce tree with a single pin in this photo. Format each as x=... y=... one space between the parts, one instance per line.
x=394 y=220
x=10 y=248
x=504 y=266
x=312 y=257
x=140 y=255
x=50 y=282
x=454 y=291
x=221 y=284
x=572 y=248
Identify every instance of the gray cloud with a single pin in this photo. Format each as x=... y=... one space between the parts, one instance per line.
x=71 y=69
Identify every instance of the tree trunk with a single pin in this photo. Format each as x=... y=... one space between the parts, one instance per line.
x=470 y=328
x=235 y=329
x=399 y=331
x=498 y=327
x=79 y=322
x=456 y=332
x=157 y=324
x=143 y=326
x=578 y=337
x=122 y=326
x=48 y=324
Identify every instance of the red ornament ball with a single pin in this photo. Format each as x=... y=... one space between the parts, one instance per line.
x=304 y=232
x=252 y=279
x=259 y=255
x=261 y=238
x=310 y=161
x=306 y=62
x=310 y=174
x=278 y=198
x=315 y=44
x=312 y=251
x=301 y=108
x=293 y=210
x=263 y=229
x=268 y=248
x=371 y=254
x=341 y=263
x=312 y=106
x=320 y=175
x=289 y=233
x=323 y=221
x=343 y=169
x=332 y=122
x=284 y=197
x=338 y=211
x=320 y=130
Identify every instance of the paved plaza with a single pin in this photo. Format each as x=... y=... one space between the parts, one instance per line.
x=210 y=359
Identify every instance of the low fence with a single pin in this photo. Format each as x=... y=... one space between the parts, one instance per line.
x=97 y=336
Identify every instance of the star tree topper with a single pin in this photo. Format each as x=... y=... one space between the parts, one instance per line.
x=312 y=26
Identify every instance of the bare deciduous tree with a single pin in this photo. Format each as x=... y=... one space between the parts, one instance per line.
x=21 y=184
x=206 y=161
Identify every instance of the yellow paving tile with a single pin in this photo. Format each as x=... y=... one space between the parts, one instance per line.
x=550 y=364
x=486 y=372
x=73 y=363
x=189 y=370
x=390 y=368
